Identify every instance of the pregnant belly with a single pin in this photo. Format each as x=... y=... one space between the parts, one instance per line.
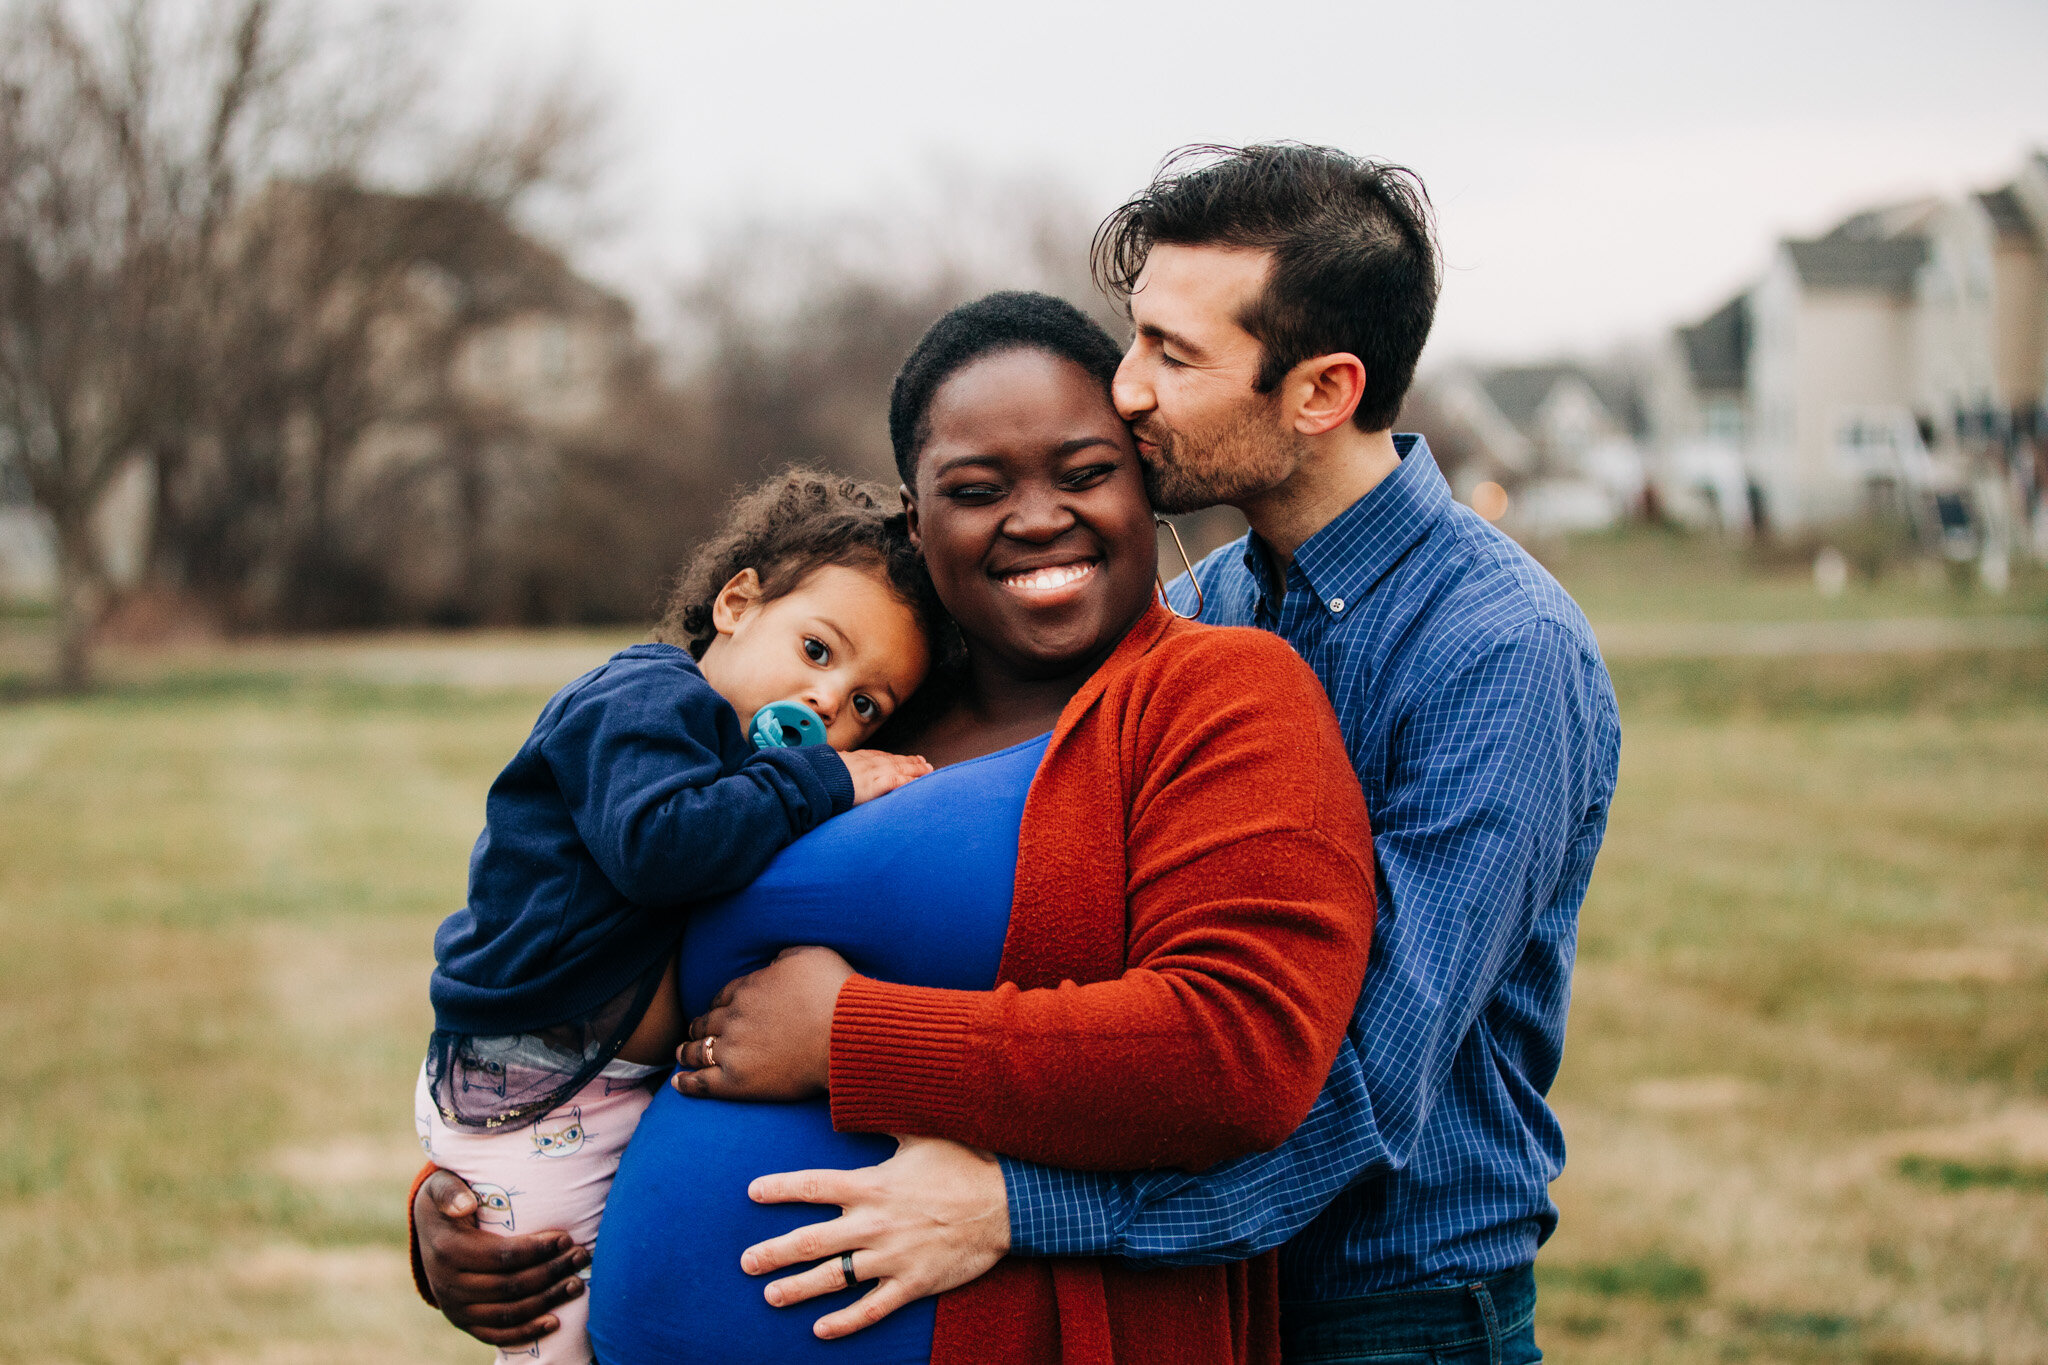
x=666 y=1285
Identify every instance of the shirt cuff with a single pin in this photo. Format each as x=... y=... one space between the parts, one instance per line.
x=820 y=772
x=1063 y=1213
x=832 y=772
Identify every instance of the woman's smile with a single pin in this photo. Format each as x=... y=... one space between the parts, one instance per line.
x=1050 y=584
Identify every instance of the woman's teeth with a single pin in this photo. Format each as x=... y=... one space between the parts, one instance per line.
x=1046 y=579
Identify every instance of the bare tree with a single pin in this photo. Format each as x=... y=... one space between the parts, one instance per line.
x=193 y=274
x=126 y=134
x=792 y=330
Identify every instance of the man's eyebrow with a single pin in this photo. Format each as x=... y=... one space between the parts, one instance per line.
x=1174 y=339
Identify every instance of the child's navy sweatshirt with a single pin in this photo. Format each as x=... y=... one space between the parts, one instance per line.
x=636 y=795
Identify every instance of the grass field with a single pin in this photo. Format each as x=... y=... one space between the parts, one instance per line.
x=1806 y=1086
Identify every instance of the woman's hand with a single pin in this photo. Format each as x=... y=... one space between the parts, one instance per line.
x=497 y=1289
x=768 y=1035
x=930 y=1218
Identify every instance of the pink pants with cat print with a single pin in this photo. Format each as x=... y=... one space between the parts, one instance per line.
x=552 y=1174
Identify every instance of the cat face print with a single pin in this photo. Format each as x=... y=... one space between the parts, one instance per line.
x=493 y=1207
x=424 y=1129
x=555 y=1136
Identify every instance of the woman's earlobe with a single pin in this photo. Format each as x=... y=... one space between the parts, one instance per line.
x=910 y=516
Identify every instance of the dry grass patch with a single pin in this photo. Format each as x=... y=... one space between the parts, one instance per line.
x=1806 y=1086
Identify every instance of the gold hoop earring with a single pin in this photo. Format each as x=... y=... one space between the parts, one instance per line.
x=1174 y=531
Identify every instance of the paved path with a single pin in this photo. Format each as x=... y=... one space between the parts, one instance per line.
x=550 y=659
x=1912 y=635
x=543 y=660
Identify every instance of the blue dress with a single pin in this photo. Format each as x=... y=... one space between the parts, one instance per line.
x=914 y=888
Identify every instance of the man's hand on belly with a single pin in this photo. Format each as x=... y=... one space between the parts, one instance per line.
x=768 y=1035
x=931 y=1218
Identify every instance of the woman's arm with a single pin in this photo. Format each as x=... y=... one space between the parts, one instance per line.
x=1250 y=902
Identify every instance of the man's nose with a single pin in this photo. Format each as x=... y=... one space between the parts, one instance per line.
x=1128 y=390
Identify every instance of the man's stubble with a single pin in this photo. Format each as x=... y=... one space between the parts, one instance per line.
x=1244 y=458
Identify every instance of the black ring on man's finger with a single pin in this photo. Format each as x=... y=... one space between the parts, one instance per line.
x=846 y=1269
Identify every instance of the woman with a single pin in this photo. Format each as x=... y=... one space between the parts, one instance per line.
x=1160 y=812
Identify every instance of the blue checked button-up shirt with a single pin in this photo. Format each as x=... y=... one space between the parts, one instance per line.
x=1482 y=725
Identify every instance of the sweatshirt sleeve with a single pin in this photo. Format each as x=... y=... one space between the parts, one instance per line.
x=1250 y=904
x=661 y=797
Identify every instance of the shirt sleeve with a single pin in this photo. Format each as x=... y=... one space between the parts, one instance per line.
x=657 y=800
x=1493 y=769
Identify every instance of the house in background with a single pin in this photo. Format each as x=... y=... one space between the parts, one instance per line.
x=1696 y=399
x=1896 y=364
x=490 y=364
x=432 y=371
x=1563 y=440
x=28 y=548
x=1831 y=367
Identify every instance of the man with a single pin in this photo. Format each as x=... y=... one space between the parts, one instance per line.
x=1281 y=297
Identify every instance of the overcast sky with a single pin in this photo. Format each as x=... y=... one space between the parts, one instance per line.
x=1602 y=170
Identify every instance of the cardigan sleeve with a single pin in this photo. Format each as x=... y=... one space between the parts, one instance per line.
x=1250 y=903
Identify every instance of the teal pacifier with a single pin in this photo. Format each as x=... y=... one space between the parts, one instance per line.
x=786 y=725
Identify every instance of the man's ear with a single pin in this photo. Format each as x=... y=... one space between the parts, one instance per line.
x=1324 y=391
x=740 y=595
x=910 y=514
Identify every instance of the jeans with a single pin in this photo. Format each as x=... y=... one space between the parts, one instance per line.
x=1487 y=1322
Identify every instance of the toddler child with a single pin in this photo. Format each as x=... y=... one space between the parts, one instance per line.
x=636 y=795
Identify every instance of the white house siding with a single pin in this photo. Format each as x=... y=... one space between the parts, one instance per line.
x=1953 y=335
x=2018 y=318
x=1822 y=358
x=28 y=556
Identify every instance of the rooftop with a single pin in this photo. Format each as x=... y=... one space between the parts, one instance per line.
x=1518 y=391
x=2008 y=215
x=1717 y=348
x=1880 y=265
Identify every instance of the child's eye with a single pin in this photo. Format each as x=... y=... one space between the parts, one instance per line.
x=816 y=650
x=865 y=708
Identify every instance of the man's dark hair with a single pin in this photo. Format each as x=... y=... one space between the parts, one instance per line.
x=1354 y=254
x=797 y=522
x=1010 y=321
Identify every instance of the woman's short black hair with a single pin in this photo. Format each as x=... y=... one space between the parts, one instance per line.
x=1355 y=264
x=1009 y=321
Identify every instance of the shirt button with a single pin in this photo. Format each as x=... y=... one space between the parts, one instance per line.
x=1336 y=604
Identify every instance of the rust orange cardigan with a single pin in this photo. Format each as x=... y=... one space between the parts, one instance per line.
x=1193 y=905
x=1194 y=900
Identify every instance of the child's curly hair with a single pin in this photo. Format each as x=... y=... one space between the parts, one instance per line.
x=797 y=522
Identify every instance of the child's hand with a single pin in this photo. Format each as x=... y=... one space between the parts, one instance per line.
x=876 y=773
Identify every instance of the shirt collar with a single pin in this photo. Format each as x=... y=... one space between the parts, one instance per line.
x=1343 y=561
